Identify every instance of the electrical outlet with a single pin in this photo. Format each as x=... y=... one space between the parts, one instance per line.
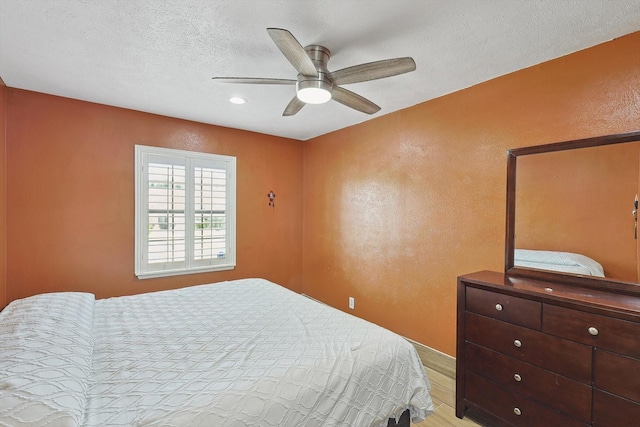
x=352 y=303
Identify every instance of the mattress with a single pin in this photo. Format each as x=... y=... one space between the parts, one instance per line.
x=238 y=353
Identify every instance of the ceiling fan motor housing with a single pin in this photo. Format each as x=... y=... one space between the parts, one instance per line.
x=315 y=89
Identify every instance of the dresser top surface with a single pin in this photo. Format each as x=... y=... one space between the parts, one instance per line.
x=559 y=292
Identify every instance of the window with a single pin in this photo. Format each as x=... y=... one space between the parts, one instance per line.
x=185 y=212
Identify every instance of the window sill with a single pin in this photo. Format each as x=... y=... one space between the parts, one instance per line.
x=169 y=273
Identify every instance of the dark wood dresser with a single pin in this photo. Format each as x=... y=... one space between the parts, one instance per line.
x=539 y=353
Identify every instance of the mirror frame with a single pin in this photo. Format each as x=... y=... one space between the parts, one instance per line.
x=574 y=279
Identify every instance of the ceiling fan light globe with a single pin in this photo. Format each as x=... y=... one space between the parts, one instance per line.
x=313 y=91
x=314 y=95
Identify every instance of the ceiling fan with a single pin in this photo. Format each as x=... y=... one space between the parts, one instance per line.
x=315 y=84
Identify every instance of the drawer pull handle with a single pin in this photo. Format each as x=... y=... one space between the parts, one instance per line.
x=517 y=377
x=499 y=307
x=593 y=331
x=517 y=411
x=517 y=343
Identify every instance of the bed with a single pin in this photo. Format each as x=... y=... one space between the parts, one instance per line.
x=238 y=353
x=563 y=262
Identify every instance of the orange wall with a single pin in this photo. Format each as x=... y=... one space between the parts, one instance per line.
x=396 y=208
x=3 y=198
x=393 y=209
x=70 y=197
x=581 y=201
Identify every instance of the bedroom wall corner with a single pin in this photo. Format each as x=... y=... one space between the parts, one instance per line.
x=3 y=194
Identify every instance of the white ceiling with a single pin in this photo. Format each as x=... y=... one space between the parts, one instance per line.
x=159 y=56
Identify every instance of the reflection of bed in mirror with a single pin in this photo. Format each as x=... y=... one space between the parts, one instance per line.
x=562 y=262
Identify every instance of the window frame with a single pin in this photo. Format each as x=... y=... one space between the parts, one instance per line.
x=190 y=159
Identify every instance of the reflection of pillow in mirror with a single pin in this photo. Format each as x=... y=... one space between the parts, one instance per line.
x=565 y=262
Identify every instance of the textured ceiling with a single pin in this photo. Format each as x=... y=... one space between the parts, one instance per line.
x=159 y=56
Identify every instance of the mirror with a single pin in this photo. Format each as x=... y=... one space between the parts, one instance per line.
x=570 y=211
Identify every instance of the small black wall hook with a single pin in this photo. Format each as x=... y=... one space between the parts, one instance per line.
x=271 y=197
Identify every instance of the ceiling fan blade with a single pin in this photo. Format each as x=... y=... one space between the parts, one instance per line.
x=373 y=70
x=293 y=51
x=353 y=100
x=293 y=107
x=254 y=80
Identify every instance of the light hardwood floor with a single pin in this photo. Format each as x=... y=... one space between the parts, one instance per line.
x=443 y=395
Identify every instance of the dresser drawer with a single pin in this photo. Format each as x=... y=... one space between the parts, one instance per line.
x=564 y=357
x=614 y=411
x=512 y=407
x=617 y=374
x=609 y=333
x=568 y=396
x=518 y=311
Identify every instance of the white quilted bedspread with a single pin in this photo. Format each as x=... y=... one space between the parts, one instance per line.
x=239 y=353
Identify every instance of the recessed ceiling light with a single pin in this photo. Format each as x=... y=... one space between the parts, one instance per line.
x=237 y=100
